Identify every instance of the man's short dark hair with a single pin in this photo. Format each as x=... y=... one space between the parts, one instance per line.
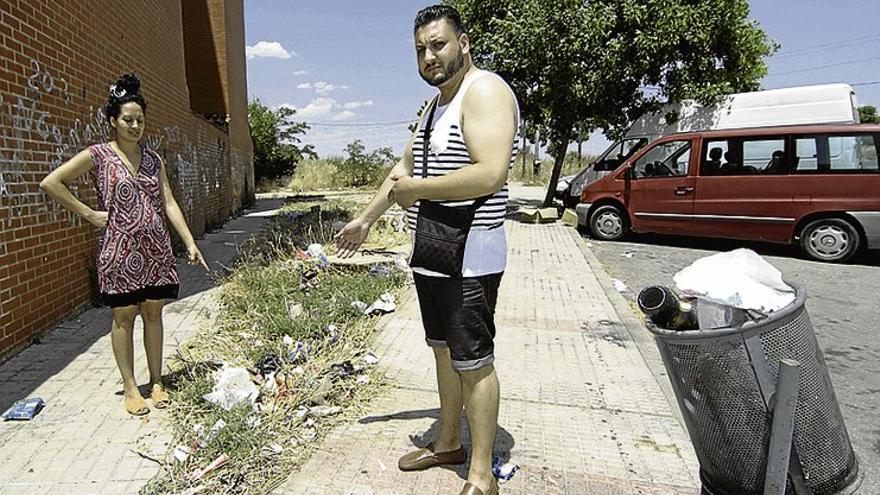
x=437 y=12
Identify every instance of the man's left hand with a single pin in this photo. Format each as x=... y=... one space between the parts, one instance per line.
x=404 y=191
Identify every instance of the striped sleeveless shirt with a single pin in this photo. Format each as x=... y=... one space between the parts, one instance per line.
x=486 y=248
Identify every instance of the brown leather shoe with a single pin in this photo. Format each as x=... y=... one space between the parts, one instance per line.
x=426 y=458
x=470 y=489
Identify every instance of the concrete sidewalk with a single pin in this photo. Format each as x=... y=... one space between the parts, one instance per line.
x=584 y=407
x=84 y=441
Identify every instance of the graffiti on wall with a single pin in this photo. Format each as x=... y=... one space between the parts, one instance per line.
x=34 y=142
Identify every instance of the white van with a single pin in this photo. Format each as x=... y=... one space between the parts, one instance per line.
x=820 y=104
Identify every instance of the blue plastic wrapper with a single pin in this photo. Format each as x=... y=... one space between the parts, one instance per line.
x=503 y=471
x=24 y=409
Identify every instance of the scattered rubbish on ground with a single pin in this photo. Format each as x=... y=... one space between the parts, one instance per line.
x=24 y=410
x=363 y=380
x=503 y=471
x=383 y=305
x=181 y=453
x=316 y=251
x=294 y=310
x=345 y=369
x=619 y=286
x=287 y=340
x=321 y=411
x=538 y=215
x=628 y=254
x=270 y=363
x=299 y=351
x=359 y=305
x=232 y=386
x=570 y=218
x=272 y=449
x=380 y=271
x=215 y=464
x=381 y=465
x=371 y=358
x=331 y=333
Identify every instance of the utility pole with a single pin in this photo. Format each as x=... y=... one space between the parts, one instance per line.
x=536 y=166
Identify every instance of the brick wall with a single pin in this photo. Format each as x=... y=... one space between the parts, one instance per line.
x=57 y=59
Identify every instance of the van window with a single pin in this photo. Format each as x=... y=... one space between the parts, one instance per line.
x=823 y=153
x=742 y=156
x=664 y=160
x=619 y=152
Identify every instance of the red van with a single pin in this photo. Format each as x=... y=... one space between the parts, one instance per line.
x=817 y=186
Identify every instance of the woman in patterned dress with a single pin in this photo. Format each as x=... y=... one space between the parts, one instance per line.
x=136 y=268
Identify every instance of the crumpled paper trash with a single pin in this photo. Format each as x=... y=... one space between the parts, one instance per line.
x=232 y=386
x=383 y=305
x=740 y=279
x=317 y=251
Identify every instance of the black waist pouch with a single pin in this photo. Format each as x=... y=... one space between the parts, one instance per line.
x=441 y=235
x=441 y=231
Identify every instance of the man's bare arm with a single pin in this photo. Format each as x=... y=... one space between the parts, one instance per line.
x=489 y=122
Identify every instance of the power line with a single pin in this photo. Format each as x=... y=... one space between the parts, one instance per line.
x=807 y=69
x=360 y=124
x=827 y=46
x=869 y=83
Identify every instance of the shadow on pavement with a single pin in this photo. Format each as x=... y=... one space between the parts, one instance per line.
x=55 y=350
x=504 y=441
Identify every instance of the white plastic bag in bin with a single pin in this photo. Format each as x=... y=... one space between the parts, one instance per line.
x=740 y=279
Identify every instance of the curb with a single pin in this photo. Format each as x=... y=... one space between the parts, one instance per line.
x=640 y=336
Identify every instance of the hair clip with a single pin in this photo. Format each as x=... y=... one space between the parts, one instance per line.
x=116 y=91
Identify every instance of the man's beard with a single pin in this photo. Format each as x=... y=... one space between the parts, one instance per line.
x=448 y=72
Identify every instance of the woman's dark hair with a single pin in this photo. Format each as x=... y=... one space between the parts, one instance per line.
x=437 y=12
x=126 y=89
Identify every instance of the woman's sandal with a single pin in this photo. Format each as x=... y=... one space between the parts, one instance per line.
x=136 y=406
x=159 y=397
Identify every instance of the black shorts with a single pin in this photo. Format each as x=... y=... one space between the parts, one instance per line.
x=155 y=292
x=459 y=313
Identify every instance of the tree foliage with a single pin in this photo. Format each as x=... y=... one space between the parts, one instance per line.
x=579 y=66
x=361 y=168
x=868 y=114
x=277 y=144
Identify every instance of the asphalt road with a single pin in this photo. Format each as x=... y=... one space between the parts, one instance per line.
x=843 y=303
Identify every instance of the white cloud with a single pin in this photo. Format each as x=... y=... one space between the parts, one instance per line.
x=300 y=72
x=304 y=86
x=344 y=115
x=351 y=105
x=269 y=49
x=324 y=108
x=316 y=109
x=323 y=87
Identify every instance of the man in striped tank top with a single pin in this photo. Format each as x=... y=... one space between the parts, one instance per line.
x=472 y=146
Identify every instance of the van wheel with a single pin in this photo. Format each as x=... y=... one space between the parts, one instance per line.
x=829 y=239
x=608 y=223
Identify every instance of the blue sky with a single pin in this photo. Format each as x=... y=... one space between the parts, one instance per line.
x=348 y=67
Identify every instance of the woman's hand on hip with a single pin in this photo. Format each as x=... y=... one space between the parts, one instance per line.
x=98 y=218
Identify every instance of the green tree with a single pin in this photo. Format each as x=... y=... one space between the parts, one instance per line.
x=277 y=144
x=868 y=114
x=579 y=66
x=361 y=168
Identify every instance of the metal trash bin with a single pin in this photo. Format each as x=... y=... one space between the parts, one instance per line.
x=724 y=381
